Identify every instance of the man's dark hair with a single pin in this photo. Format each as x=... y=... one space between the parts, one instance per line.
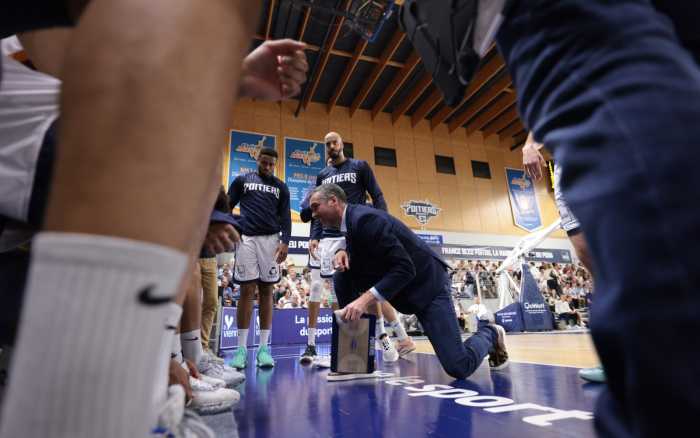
x=269 y=152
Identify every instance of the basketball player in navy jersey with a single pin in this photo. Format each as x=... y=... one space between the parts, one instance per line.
x=265 y=213
x=356 y=178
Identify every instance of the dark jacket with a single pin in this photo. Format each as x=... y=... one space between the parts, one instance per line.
x=386 y=254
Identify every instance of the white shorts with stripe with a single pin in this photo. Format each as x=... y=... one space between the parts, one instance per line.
x=569 y=222
x=327 y=248
x=255 y=259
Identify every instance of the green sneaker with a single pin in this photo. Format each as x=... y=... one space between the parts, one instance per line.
x=239 y=358
x=264 y=359
x=596 y=374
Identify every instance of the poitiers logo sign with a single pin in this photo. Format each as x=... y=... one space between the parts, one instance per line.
x=422 y=211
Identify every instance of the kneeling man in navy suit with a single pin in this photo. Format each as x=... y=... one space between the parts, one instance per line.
x=385 y=260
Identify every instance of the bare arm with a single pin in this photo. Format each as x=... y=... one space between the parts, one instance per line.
x=47 y=49
x=533 y=162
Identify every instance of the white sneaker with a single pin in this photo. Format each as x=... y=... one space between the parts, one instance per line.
x=213 y=381
x=200 y=385
x=322 y=361
x=389 y=353
x=174 y=421
x=208 y=400
x=214 y=358
x=223 y=372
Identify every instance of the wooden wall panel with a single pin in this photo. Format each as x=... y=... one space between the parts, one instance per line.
x=468 y=204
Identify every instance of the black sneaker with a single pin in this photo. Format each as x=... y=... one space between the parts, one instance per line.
x=309 y=355
x=498 y=356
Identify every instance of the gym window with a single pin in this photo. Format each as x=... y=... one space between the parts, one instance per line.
x=445 y=164
x=480 y=169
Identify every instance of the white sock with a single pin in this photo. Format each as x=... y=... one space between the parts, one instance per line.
x=192 y=345
x=243 y=337
x=379 y=328
x=171 y=321
x=398 y=329
x=312 y=336
x=264 y=336
x=176 y=348
x=95 y=305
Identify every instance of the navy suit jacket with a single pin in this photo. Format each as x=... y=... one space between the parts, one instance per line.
x=386 y=254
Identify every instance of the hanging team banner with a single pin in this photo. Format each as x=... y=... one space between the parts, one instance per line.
x=304 y=159
x=245 y=147
x=523 y=200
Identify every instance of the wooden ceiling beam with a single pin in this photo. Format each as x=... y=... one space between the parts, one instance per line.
x=396 y=84
x=499 y=104
x=513 y=129
x=485 y=73
x=304 y=23
x=428 y=105
x=325 y=55
x=389 y=51
x=345 y=54
x=480 y=103
x=519 y=140
x=415 y=93
x=349 y=68
x=268 y=27
x=503 y=120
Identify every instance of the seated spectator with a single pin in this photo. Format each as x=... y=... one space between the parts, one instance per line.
x=285 y=299
x=224 y=284
x=563 y=309
x=479 y=311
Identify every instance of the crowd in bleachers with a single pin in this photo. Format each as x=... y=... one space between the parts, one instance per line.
x=566 y=288
x=291 y=292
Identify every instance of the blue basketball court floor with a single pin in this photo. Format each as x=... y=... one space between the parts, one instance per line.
x=413 y=398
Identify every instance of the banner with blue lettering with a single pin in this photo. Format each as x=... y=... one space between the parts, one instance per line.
x=431 y=239
x=298 y=245
x=549 y=255
x=304 y=159
x=229 y=329
x=523 y=200
x=245 y=147
x=536 y=314
x=510 y=317
x=291 y=325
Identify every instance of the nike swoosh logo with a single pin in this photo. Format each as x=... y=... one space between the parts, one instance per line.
x=145 y=297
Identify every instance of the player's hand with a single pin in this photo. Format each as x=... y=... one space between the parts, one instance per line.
x=281 y=254
x=194 y=372
x=313 y=247
x=274 y=71
x=341 y=262
x=178 y=376
x=221 y=237
x=533 y=162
